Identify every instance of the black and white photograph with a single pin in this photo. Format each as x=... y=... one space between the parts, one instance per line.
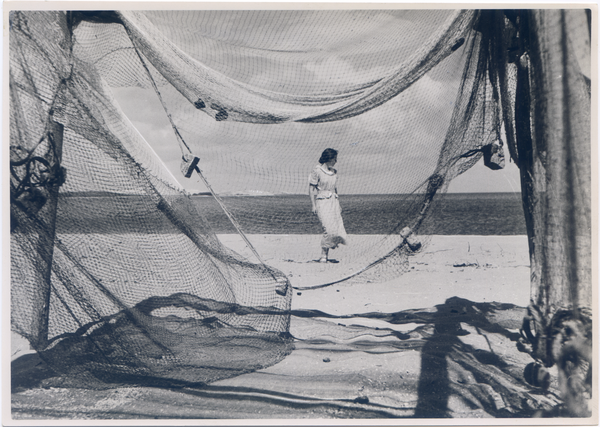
x=299 y=214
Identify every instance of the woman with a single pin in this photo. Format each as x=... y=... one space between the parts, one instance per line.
x=323 y=195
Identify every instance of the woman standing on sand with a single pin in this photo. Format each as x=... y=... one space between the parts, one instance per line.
x=323 y=195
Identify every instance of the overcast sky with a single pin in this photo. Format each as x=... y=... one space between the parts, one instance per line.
x=391 y=148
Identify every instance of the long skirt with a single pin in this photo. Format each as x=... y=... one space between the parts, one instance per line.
x=330 y=215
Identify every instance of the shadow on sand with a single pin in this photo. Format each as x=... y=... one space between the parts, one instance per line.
x=482 y=378
x=469 y=361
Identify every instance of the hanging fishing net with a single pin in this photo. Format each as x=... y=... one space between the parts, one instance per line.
x=217 y=84
x=119 y=272
x=119 y=298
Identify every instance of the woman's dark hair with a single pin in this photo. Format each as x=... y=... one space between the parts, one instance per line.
x=328 y=154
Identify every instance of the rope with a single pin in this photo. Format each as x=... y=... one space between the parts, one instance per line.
x=231 y=218
x=180 y=139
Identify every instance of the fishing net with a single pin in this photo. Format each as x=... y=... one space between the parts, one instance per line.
x=216 y=84
x=552 y=148
x=118 y=297
x=119 y=272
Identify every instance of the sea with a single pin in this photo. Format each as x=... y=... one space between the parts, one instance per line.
x=450 y=214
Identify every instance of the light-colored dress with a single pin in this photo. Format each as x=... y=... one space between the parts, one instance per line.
x=328 y=207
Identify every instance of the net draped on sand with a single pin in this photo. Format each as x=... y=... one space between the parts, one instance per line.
x=178 y=306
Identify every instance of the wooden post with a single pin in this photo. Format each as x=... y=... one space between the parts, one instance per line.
x=557 y=170
x=46 y=240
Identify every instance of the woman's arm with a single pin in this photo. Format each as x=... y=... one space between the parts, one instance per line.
x=312 y=192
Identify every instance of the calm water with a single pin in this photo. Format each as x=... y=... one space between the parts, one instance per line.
x=451 y=214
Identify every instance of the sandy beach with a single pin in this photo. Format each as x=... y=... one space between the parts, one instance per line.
x=479 y=268
x=450 y=145
x=355 y=366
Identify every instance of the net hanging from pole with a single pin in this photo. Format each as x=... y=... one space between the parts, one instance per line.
x=239 y=158
x=121 y=273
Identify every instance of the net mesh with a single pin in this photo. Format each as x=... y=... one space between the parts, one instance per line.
x=308 y=84
x=104 y=289
x=117 y=271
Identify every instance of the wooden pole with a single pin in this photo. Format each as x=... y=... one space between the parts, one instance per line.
x=46 y=241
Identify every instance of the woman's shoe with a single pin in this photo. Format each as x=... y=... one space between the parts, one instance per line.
x=323 y=260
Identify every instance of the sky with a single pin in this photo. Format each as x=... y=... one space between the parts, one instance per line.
x=389 y=141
